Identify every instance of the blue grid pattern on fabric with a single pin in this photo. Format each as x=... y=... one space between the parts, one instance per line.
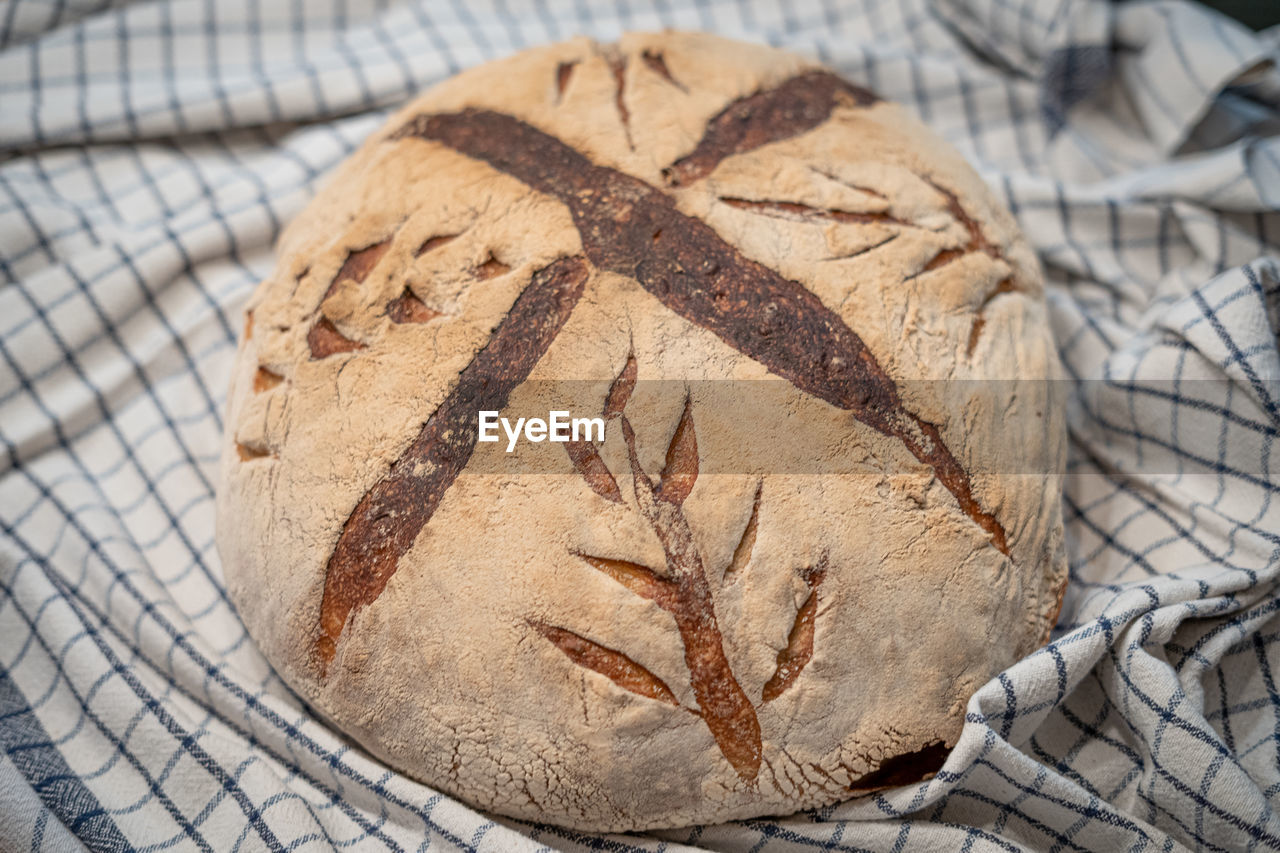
x=154 y=150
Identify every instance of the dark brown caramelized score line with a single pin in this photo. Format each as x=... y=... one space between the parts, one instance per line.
x=323 y=338
x=798 y=651
x=683 y=590
x=977 y=242
x=686 y=595
x=803 y=212
x=747 y=541
x=489 y=268
x=657 y=63
x=632 y=228
x=432 y=243
x=619 y=69
x=358 y=265
x=862 y=188
x=980 y=320
x=564 y=73
x=408 y=308
x=249 y=452
x=864 y=250
x=681 y=469
x=614 y=665
x=797 y=105
x=584 y=454
x=620 y=391
x=586 y=460
x=265 y=380
x=639 y=579
x=388 y=518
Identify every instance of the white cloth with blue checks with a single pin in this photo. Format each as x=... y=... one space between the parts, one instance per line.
x=152 y=151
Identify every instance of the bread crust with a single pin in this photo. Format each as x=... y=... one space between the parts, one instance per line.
x=671 y=626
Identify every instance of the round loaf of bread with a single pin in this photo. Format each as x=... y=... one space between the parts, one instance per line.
x=825 y=508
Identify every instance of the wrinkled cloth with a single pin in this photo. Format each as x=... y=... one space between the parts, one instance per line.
x=153 y=150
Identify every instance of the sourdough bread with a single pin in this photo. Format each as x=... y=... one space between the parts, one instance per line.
x=669 y=626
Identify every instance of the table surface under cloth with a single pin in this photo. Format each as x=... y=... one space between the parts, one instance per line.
x=153 y=150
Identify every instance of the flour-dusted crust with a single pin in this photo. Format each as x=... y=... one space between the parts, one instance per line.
x=681 y=624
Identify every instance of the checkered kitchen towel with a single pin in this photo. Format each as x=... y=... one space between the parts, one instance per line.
x=152 y=151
